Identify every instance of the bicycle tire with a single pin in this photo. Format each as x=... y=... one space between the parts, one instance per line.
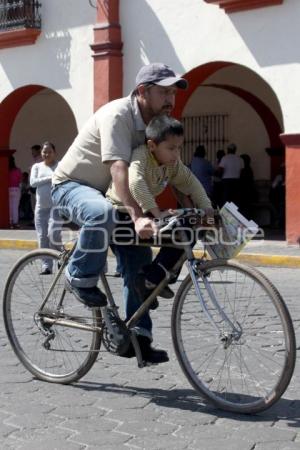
x=238 y=378
x=72 y=352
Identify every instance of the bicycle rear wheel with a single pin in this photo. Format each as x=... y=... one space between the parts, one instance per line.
x=246 y=373
x=50 y=351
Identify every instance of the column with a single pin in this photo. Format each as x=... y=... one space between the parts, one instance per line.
x=292 y=186
x=107 y=48
x=4 y=199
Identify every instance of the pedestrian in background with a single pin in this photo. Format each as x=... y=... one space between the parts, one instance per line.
x=14 y=181
x=217 y=182
x=230 y=169
x=46 y=218
x=25 y=210
x=202 y=169
x=248 y=191
x=37 y=158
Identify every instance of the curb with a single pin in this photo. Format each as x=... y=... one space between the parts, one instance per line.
x=255 y=259
x=17 y=244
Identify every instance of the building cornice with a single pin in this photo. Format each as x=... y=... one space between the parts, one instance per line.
x=291 y=140
x=231 y=6
x=107 y=49
x=17 y=38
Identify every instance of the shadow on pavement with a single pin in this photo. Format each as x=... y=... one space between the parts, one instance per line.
x=186 y=399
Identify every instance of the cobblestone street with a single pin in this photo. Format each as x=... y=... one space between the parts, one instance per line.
x=119 y=406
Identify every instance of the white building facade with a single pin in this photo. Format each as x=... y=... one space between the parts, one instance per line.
x=241 y=58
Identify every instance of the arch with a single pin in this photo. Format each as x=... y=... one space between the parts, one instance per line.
x=271 y=123
x=198 y=75
x=195 y=78
x=10 y=113
x=10 y=107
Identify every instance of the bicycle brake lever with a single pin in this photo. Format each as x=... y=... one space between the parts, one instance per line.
x=169 y=225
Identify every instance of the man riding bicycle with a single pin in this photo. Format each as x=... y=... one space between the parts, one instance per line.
x=100 y=153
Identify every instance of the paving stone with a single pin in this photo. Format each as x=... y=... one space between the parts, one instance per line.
x=53 y=444
x=121 y=402
x=41 y=435
x=278 y=446
x=155 y=428
x=265 y=434
x=186 y=431
x=98 y=423
x=77 y=412
x=7 y=428
x=10 y=444
x=162 y=443
x=33 y=421
x=224 y=444
x=104 y=439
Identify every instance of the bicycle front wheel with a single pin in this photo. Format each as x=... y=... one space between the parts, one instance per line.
x=49 y=350
x=245 y=362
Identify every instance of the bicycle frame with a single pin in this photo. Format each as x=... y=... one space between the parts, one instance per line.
x=194 y=269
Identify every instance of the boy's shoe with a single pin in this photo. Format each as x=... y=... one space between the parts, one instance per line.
x=149 y=354
x=91 y=297
x=144 y=291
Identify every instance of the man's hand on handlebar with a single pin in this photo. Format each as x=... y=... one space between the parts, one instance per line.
x=145 y=227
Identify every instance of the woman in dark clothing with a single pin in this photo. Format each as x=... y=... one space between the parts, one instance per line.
x=248 y=191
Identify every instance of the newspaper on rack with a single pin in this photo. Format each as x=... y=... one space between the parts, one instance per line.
x=232 y=236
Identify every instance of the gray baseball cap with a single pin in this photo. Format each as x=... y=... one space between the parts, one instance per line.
x=160 y=74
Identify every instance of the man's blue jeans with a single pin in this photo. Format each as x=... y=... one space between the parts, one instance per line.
x=131 y=259
x=88 y=208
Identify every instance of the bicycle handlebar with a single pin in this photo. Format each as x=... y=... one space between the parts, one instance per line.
x=178 y=215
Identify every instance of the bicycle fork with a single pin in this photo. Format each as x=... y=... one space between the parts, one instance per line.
x=226 y=338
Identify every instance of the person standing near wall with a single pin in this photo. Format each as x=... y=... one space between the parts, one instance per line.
x=202 y=169
x=25 y=210
x=46 y=218
x=247 y=185
x=230 y=168
x=14 y=181
x=217 y=181
x=37 y=158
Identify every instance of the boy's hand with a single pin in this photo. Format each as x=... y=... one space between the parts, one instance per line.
x=145 y=228
x=211 y=219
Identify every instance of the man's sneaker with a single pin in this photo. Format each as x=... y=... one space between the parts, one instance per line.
x=116 y=274
x=149 y=354
x=91 y=297
x=144 y=289
x=46 y=272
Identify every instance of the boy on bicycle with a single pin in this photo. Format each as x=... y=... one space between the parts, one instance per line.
x=154 y=166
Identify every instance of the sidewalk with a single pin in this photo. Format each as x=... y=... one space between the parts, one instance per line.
x=256 y=252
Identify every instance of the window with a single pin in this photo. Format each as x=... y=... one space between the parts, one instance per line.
x=20 y=22
x=16 y=14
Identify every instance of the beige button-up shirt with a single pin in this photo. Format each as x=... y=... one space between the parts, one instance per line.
x=110 y=134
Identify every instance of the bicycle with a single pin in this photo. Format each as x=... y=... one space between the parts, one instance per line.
x=231 y=330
